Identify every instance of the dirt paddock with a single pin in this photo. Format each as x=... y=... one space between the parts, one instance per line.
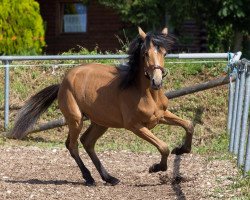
x=36 y=173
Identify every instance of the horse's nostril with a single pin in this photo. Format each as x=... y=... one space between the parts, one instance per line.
x=153 y=80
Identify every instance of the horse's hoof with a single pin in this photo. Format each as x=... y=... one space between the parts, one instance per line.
x=156 y=168
x=113 y=181
x=90 y=183
x=180 y=150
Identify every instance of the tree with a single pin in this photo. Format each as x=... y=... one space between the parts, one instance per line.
x=21 y=27
x=146 y=13
x=226 y=21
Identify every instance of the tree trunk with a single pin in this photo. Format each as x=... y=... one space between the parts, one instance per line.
x=237 y=43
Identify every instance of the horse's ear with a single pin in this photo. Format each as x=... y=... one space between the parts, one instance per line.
x=142 y=33
x=165 y=31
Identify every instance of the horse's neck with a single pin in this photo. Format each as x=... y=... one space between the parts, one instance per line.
x=144 y=82
x=146 y=91
x=156 y=95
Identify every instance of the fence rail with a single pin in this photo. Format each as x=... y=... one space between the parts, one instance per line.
x=113 y=56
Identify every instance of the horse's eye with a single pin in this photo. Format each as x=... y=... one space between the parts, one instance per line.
x=146 y=54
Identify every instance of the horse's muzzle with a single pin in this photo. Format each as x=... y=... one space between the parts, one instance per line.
x=156 y=84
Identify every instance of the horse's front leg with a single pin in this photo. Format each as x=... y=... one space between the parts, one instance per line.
x=147 y=135
x=171 y=119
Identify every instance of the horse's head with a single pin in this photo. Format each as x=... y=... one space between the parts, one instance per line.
x=153 y=52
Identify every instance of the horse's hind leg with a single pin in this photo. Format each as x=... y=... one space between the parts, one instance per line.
x=172 y=119
x=72 y=146
x=88 y=139
x=73 y=117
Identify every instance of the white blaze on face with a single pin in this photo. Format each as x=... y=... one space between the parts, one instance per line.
x=156 y=51
x=157 y=73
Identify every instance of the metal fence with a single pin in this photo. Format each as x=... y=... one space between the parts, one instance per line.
x=6 y=60
x=238 y=110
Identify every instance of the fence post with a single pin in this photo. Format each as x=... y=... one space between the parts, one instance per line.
x=6 y=93
x=241 y=152
x=231 y=88
x=232 y=129
x=232 y=123
x=242 y=79
x=247 y=160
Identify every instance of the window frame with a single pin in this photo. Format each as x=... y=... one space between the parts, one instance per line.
x=61 y=16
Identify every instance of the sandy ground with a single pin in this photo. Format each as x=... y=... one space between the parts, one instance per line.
x=36 y=173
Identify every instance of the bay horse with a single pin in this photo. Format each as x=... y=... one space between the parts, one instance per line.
x=129 y=97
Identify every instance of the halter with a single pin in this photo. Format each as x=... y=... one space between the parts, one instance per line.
x=164 y=72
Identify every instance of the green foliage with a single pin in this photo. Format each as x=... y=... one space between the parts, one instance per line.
x=222 y=19
x=81 y=51
x=231 y=7
x=146 y=13
x=220 y=38
x=231 y=20
x=21 y=27
x=235 y=12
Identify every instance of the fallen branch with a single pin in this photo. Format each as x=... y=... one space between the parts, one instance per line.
x=199 y=87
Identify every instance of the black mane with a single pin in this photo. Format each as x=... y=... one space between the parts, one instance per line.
x=135 y=47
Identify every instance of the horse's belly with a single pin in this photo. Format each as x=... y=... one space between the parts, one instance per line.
x=102 y=108
x=108 y=119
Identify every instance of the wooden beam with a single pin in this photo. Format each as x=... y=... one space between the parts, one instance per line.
x=199 y=87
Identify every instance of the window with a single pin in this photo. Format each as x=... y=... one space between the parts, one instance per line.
x=74 y=18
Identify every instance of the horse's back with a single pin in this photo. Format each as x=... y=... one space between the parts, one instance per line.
x=95 y=89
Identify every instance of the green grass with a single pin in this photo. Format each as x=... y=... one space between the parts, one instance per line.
x=217 y=144
x=217 y=149
x=2 y=140
x=242 y=184
x=187 y=68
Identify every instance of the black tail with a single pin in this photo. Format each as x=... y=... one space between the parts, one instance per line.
x=32 y=110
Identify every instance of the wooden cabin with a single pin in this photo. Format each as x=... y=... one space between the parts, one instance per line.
x=70 y=24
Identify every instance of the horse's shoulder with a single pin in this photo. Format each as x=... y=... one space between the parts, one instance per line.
x=162 y=102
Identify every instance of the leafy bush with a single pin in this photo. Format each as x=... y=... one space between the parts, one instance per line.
x=21 y=27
